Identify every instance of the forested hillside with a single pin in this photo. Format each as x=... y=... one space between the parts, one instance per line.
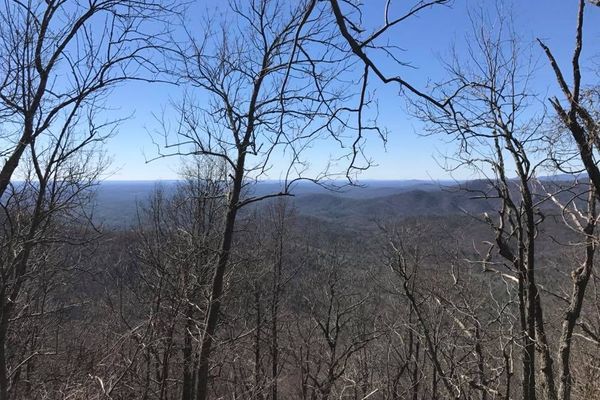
x=267 y=267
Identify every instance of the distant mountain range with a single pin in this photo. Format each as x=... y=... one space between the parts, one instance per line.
x=117 y=201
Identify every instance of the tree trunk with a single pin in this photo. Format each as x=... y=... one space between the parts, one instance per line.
x=188 y=359
x=216 y=292
x=3 y=366
x=274 y=318
x=580 y=277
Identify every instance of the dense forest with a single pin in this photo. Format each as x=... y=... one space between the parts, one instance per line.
x=265 y=272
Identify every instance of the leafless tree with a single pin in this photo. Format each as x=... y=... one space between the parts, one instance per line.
x=578 y=116
x=177 y=240
x=365 y=43
x=330 y=334
x=275 y=82
x=406 y=261
x=488 y=93
x=39 y=213
x=574 y=115
x=60 y=59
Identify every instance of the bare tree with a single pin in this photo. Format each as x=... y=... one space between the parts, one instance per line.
x=365 y=43
x=579 y=118
x=487 y=96
x=334 y=328
x=60 y=59
x=38 y=214
x=406 y=262
x=177 y=239
x=269 y=98
x=576 y=118
x=488 y=93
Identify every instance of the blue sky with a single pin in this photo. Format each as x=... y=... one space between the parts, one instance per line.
x=426 y=39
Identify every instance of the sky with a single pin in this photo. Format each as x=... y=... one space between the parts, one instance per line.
x=426 y=41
